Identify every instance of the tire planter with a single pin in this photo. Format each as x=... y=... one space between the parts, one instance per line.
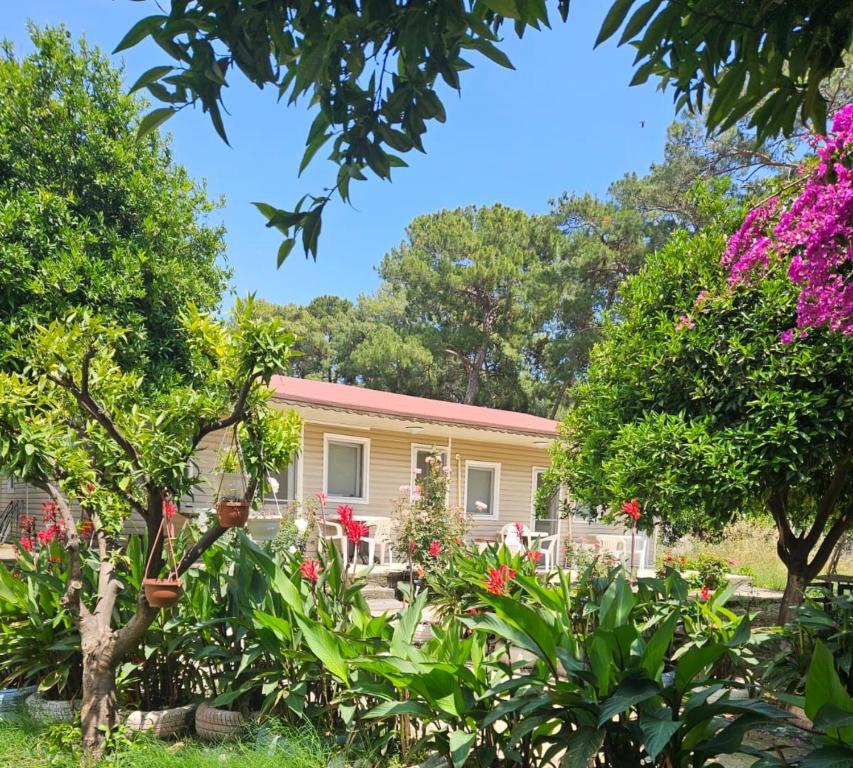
x=232 y=514
x=162 y=723
x=47 y=712
x=12 y=699
x=162 y=593
x=214 y=724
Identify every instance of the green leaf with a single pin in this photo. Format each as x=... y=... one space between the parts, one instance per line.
x=507 y=8
x=393 y=708
x=140 y=31
x=284 y=250
x=829 y=716
x=694 y=661
x=404 y=632
x=628 y=693
x=325 y=646
x=828 y=757
x=824 y=687
x=150 y=76
x=613 y=20
x=460 y=745
x=658 y=645
x=584 y=744
x=657 y=733
x=153 y=120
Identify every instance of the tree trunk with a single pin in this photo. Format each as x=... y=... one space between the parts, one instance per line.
x=99 y=707
x=792 y=597
x=474 y=370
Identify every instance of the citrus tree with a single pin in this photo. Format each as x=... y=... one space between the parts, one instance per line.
x=114 y=440
x=697 y=403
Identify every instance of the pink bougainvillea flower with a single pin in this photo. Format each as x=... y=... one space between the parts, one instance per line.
x=169 y=509
x=416 y=494
x=701 y=298
x=417 y=471
x=632 y=509
x=705 y=593
x=434 y=548
x=405 y=490
x=447 y=471
x=498 y=579
x=534 y=555
x=344 y=514
x=27 y=543
x=310 y=569
x=356 y=531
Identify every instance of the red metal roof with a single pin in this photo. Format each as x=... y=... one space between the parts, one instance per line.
x=363 y=400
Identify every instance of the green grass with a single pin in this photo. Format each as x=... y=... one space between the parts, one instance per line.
x=24 y=745
x=752 y=547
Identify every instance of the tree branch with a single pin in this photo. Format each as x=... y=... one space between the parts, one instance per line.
x=74 y=587
x=236 y=414
x=109 y=586
x=828 y=501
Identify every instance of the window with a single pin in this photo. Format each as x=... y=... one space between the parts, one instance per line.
x=420 y=454
x=550 y=522
x=481 y=488
x=286 y=479
x=347 y=462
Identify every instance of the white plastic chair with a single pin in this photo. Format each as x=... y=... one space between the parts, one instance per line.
x=333 y=533
x=511 y=540
x=381 y=541
x=548 y=547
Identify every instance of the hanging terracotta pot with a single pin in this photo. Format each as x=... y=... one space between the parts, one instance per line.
x=162 y=593
x=232 y=514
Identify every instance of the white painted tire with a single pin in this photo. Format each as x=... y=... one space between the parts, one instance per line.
x=45 y=711
x=12 y=700
x=214 y=724
x=162 y=723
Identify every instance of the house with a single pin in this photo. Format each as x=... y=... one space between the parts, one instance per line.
x=361 y=445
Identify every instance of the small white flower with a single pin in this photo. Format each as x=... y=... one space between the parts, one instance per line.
x=417 y=471
x=301 y=525
x=447 y=471
x=274 y=486
x=203 y=520
x=292 y=550
x=416 y=495
x=481 y=506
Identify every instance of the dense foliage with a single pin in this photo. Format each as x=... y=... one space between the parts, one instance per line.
x=371 y=72
x=695 y=405
x=90 y=216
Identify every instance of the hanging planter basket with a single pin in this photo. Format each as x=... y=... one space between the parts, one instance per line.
x=163 y=593
x=232 y=514
x=232 y=506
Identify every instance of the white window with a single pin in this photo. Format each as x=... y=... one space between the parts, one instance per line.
x=482 y=484
x=420 y=454
x=286 y=480
x=549 y=523
x=347 y=460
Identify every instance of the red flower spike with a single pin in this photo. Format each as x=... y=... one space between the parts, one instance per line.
x=169 y=509
x=534 y=555
x=497 y=579
x=632 y=509
x=705 y=593
x=310 y=569
x=434 y=548
x=345 y=514
x=27 y=543
x=356 y=531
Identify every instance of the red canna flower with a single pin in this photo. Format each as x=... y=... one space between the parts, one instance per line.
x=705 y=593
x=169 y=509
x=48 y=509
x=47 y=535
x=90 y=487
x=473 y=611
x=632 y=509
x=86 y=528
x=534 y=555
x=497 y=579
x=55 y=559
x=356 y=531
x=345 y=514
x=27 y=543
x=310 y=569
x=434 y=548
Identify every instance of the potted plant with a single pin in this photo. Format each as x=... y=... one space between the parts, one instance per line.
x=232 y=507
x=164 y=593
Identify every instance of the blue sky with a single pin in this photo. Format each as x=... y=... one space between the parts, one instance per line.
x=563 y=120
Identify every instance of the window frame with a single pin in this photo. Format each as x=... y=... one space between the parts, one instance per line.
x=416 y=448
x=537 y=470
x=295 y=467
x=331 y=437
x=495 y=466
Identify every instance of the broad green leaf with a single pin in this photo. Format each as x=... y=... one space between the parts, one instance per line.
x=628 y=693
x=140 y=31
x=657 y=733
x=153 y=120
x=460 y=745
x=824 y=687
x=149 y=76
x=584 y=744
x=325 y=646
x=613 y=20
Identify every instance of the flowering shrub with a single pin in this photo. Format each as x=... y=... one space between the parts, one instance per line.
x=813 y=234
x=295 y=526
x=426 y=527
x=589 y=558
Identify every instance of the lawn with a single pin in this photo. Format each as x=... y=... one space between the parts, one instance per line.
x=26 y=746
